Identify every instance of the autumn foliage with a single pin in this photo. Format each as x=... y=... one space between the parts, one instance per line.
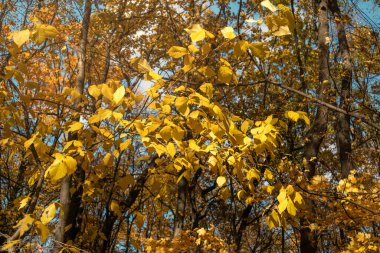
x=189 y=126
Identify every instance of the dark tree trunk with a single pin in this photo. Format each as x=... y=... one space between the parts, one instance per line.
x=343 y=137
x=318 y=129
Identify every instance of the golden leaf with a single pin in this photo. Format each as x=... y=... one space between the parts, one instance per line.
x=166 y=133
x=20 y=37
x=75 y=126
x=94 y=91
x=43 y=32
x=177 y=52
x=171 y=149
x=119 y=94
x=292 y=210
x=228 y=32
x=225 y=74
x=267 y=4
x=49 y=213
x=196 y=32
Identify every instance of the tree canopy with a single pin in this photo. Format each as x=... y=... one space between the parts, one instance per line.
x=189 y=126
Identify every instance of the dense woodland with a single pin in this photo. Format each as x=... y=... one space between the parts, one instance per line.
x=189 y=126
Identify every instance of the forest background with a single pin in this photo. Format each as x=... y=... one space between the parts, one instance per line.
x=189 y=126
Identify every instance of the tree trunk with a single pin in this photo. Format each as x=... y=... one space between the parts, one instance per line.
x=318 y=129
x=181 y=206
x=71 y=203
x=343 y=137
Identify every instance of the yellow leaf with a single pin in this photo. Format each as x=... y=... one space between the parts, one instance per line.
x=286 y=13
x=269 y=5
x=291 y=208
x=107 y=159
x=231 y=160
x=75 y=126
x=141 y=65
x=282 y=196
x=253 y=174
x=206 y=71
x=71 y=164
x=225 y=74
x=20 y=37
x=24 y=202
x=208 y=89
x=117 y=116
x=196 y=32
x=259 y=49
x=298 y=198
x=29 y=142
x=160 y=149
x=171 y=149
x=228 y=32
x=107 y=92
x=292 y=115
x=94 y=91
x=62 y=166
x=119 y=94
x=273 y=220
x=151 y=75
x=303 y=115
x=43 y=32
x=241 y=47
x=166 y=133
x=125 y=145
x=49 y=213
x=201 y=231
x=188 y=63
x=218 y=112
x=178 y=133
x=43 y=231
x=282 y=206
x=177 y=52
x=282 y=31
x=24 y=224
x=221 y=181
x=281 y=24
x=101 y=114
x=289 y=190
x=268 y=174
x=193 y=49
x=269 y=189
x=181 y=105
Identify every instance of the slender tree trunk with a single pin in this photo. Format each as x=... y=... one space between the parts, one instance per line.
x=318 y=129
x=181 y=206
x=69 y=222
x=343 y=137
x=243 y=225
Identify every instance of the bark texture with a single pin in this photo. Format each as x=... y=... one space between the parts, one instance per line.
x=309 y=242
x=343 y=136
x=69 y=222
